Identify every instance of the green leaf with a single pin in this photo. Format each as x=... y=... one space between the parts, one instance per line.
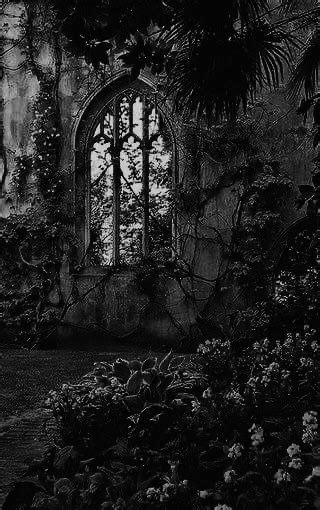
x=121 y=369
x=164 y=365
x=149 y=363
x=135 y=365
x=134 y=383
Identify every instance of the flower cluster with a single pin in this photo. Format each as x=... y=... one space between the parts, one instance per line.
x=234 y=397
x=46 y=141
x=293 y=449
x=310 y=427
x=168 y=491
x=282 y=476
x=229 y=476
x=235 y=451
x=257 y=435
x=207 y=347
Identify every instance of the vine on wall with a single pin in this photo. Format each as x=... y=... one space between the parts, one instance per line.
x=265 y=186
x=33 y=238
x=32 y=241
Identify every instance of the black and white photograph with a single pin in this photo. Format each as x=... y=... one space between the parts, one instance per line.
x=159 y=254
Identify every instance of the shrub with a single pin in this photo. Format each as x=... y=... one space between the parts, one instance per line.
x=142 y=399
x=222 y=431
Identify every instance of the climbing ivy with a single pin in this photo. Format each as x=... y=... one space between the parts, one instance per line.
x=32 y=239
x=265 y=187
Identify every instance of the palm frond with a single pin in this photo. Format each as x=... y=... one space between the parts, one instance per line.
x=216 y=76
x=296 y=5
x=306 y=73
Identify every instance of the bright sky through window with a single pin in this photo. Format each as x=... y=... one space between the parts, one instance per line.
x=131 y=180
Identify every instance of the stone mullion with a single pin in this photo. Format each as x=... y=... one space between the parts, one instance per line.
x=145 y=178
x=116 y=186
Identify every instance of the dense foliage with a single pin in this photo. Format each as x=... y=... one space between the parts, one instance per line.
x=34 y=237
x=265 y=187
x=214 y=58
x=221 y=430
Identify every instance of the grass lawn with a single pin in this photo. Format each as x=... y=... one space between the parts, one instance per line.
x=25 y=380
x=27 y=376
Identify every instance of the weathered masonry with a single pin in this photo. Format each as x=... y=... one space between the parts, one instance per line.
x=139 y=183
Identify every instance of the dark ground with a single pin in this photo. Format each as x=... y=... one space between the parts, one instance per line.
x=26 y=377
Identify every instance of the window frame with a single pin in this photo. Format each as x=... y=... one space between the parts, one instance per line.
x=96 y=110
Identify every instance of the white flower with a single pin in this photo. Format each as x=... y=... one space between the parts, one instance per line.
x=257 y=435
x=235 y=397
x=309 y=435
x=293 y=449
x=235 y=451
x=295 y=463
x=310 y=419
x=195 y=406
x=203 y=494
x=114 y=382
x=282 y=476
x=316 y=471
x=152 y=493
x=310 y=424
x=229 y=475
x=208 y=393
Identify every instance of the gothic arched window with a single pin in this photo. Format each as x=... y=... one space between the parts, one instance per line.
x=130 y=157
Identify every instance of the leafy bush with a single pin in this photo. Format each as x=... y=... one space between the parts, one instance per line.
x=225 y=430
x=141 y=399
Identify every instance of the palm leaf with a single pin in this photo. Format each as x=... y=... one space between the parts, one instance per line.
x=215 y=75
x=306 y=74
x=294 y=5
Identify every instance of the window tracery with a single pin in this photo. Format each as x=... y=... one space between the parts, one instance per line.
x=131 y=179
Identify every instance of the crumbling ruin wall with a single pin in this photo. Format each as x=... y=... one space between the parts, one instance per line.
x=209 y=186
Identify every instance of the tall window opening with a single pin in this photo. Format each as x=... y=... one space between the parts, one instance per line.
x=131 y=179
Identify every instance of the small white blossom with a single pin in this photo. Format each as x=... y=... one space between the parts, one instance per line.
x=310 y=424
x=195 y=406
x=257 y=435
x=316 y=471
x=229 y=475
x=293 y=449
x=235 y=451
x=208 y=393
x=295 y=463
x=282 y=476
x=152 y=493
x=310 y=419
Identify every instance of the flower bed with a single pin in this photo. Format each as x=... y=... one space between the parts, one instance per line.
x=217 y=431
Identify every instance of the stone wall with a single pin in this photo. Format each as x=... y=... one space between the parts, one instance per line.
x=116 y=306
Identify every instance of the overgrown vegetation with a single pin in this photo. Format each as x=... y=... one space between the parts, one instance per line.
x=33 y=237
x=213 y=59
x=223 y=429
